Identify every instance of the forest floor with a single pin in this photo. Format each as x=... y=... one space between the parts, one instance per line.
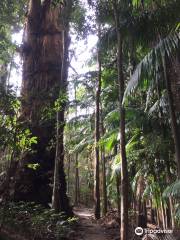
x=107 y=228
x=90 y=229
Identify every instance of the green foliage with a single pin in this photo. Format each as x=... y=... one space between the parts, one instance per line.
x=173 y=190
x=33 y=166
x=79 y=21
x=36 y=221
x=109 y=140
x=11 y=18
x=60 y=102
x=16 y=138
x=147 y=71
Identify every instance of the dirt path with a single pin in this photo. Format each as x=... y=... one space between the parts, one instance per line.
x=88 y=228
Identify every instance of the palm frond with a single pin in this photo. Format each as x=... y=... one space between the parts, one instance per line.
x=82 y=145
x=159 y=104
x=145 y=72
x=133 y=142
x=109 y=140
x=116 y=167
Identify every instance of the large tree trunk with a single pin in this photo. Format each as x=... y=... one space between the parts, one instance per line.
x=45 y=46
x=124 y=170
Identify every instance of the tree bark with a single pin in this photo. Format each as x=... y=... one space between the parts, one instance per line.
x=68 y=172
x=173 y=119
x=104 y=181
x=97 y=137
x=103 y=160
x=118 y=184
x=124 y=170
x=45 y=63
x=170 y=220
x=118 y=193
x=56 y=185
x=77 y=188
x=60 y=201
x=77 y=192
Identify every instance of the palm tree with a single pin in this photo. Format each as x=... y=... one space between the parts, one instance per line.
x=159 y=58
x=124 y=169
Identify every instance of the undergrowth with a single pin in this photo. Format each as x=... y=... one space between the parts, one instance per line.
x=36 y=222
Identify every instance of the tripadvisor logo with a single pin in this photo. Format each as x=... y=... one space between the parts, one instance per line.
x=140 y=231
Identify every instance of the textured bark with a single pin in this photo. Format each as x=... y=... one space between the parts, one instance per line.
x=174 y=75
x=60 y=200
x=44 y=50
x=124 y=170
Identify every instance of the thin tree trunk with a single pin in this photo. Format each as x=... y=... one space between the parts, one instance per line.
x=158 y=217
x=77 y=194
x=56 y=183
x=103 y=160
x=124 y=170
x=163 y=215
x=172 y=212
x=118 y=184
x=152 y=214
x=145 y=214
x=97 y=137
x=171 y=206
x=77 y=188
x=104 y=181
x=174 y=125
x=118 y=193
x=68 y=173
x=64 y=201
